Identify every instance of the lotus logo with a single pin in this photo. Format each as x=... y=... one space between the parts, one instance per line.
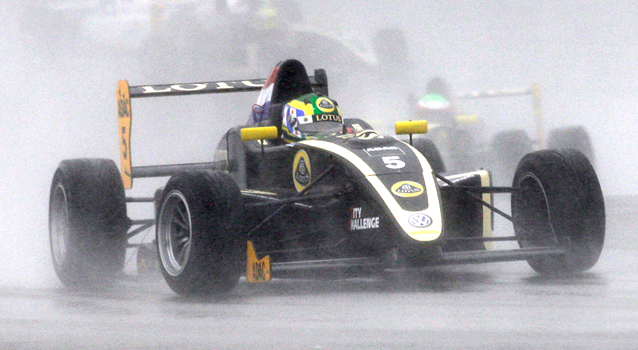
x=325 y=105
x=420 y=220
x=407 y=189
x=302 y=175
x=301 y=170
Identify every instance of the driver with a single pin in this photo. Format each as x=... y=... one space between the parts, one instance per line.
x=310 y=116
x=435 y=106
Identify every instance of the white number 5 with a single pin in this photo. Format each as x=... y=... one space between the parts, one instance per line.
x=393 y=162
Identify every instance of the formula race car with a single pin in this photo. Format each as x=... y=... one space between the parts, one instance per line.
x=455 y=132
x=300 y=188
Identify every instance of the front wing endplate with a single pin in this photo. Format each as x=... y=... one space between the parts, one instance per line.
x=257 y=270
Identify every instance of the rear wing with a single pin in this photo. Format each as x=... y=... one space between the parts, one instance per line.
x=125 y=93
x=534 y=92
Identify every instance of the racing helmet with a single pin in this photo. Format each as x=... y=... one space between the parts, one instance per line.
x=434 y=102
x=310 y=116
x=435 y=108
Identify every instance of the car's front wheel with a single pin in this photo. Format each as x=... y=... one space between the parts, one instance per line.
x=200 y=240
x=559 y=202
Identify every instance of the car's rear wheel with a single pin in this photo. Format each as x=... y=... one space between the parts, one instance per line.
x=575 y=137
x=200 y=239
x=87 y=222
x=559 y=202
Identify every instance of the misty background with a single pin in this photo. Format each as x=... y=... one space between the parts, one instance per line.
x=58 y=93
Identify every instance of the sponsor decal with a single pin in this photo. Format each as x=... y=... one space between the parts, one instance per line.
x=325 y=105
x=357 y=127
x=379 y=149
x=305 y=119
x=260 y=271
x=123 y=105
x=177 y=87
x=383 y=151
x=327 y=118
x=257 y=270
x=301 y=171
x=420 y=220
x=407 y=189
x=357 y=222
x=212 y=86
x=124 y=125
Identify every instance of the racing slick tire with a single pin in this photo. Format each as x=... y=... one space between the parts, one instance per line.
x=431 y=153
x=87 y=222
x=559 y=192
x=200 y=237
x=575 y=137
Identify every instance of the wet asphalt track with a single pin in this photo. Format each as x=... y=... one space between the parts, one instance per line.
x=493 y=306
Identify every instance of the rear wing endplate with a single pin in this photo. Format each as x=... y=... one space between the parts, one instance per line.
x=125 y=93
x=534 y=91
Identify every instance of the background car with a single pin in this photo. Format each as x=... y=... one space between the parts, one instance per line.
x=469 y=131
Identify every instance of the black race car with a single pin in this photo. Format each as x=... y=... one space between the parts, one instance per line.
x=342 y=201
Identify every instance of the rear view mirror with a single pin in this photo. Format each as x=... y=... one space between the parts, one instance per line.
x=411 y=127
x=259 y=133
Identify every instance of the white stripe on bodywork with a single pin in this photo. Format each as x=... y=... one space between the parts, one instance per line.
x=429 y=233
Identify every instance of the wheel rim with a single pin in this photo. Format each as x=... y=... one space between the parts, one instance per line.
x=59 y=225
x=175 y=233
